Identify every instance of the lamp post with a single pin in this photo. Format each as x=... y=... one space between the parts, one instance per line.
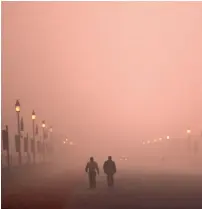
x=51 y=142
x=51 y=129
x=33 y=128
x=43 y=128
x=188 y=140
x=17 y=109
x=50 y=136
x=166 y=142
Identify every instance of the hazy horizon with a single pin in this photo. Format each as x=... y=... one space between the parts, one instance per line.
x=104 y=70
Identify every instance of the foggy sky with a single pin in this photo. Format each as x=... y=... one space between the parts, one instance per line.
x=99 y=71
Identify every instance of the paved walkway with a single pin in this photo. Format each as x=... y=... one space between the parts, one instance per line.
x=44 y=187
x=56 y=188
x=141 y=191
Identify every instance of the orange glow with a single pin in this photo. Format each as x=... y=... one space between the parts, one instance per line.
x=109 y=75
x=188 y=131
x=17 y=108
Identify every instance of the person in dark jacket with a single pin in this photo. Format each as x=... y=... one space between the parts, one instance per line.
x=91 y=169
x=110 y=169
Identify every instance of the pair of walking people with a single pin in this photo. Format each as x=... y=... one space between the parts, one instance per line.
x=92 y=169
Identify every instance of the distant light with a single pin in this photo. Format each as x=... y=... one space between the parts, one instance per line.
x=143 y=143
x=188 y=131
x=17 y=109
x=43 y=124
x=154 y=140
x=160 y=139
x=51 y=129
x=64 y=142
x=71 y=143
x=33 y=115
x=148 y=142
x=17 y=106
x=167 y=137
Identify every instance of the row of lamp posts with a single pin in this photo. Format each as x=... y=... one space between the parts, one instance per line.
x=189 y=142
x=168 y=137
x=17 y=108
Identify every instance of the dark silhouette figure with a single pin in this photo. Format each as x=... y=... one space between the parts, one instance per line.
x=91 y=169
x=110 y=169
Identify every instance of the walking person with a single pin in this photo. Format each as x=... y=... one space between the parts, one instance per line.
x=92 y=169
x=110 y=169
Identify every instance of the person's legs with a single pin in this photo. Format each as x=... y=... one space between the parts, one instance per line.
x=108 y=180
x=90 y=180
x=94 y=180
x=112 y=179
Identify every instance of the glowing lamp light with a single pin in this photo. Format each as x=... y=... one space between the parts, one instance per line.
x=43 y=124
x=167 y=137
x=188 y=131
x=33 y=115
x=160 y=139
x=148 y=142
x=17 y=106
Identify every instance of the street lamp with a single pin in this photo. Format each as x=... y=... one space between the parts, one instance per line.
x=188 y=139
x=17 y=109
x=33 y=115
x=33 y=126
x=43 y=127
x=51 y=129
x=188 y=131
x=17 y=106
x=51 y=141
x=43 y=124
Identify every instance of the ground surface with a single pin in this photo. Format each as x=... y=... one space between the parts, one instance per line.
x=139 y=189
